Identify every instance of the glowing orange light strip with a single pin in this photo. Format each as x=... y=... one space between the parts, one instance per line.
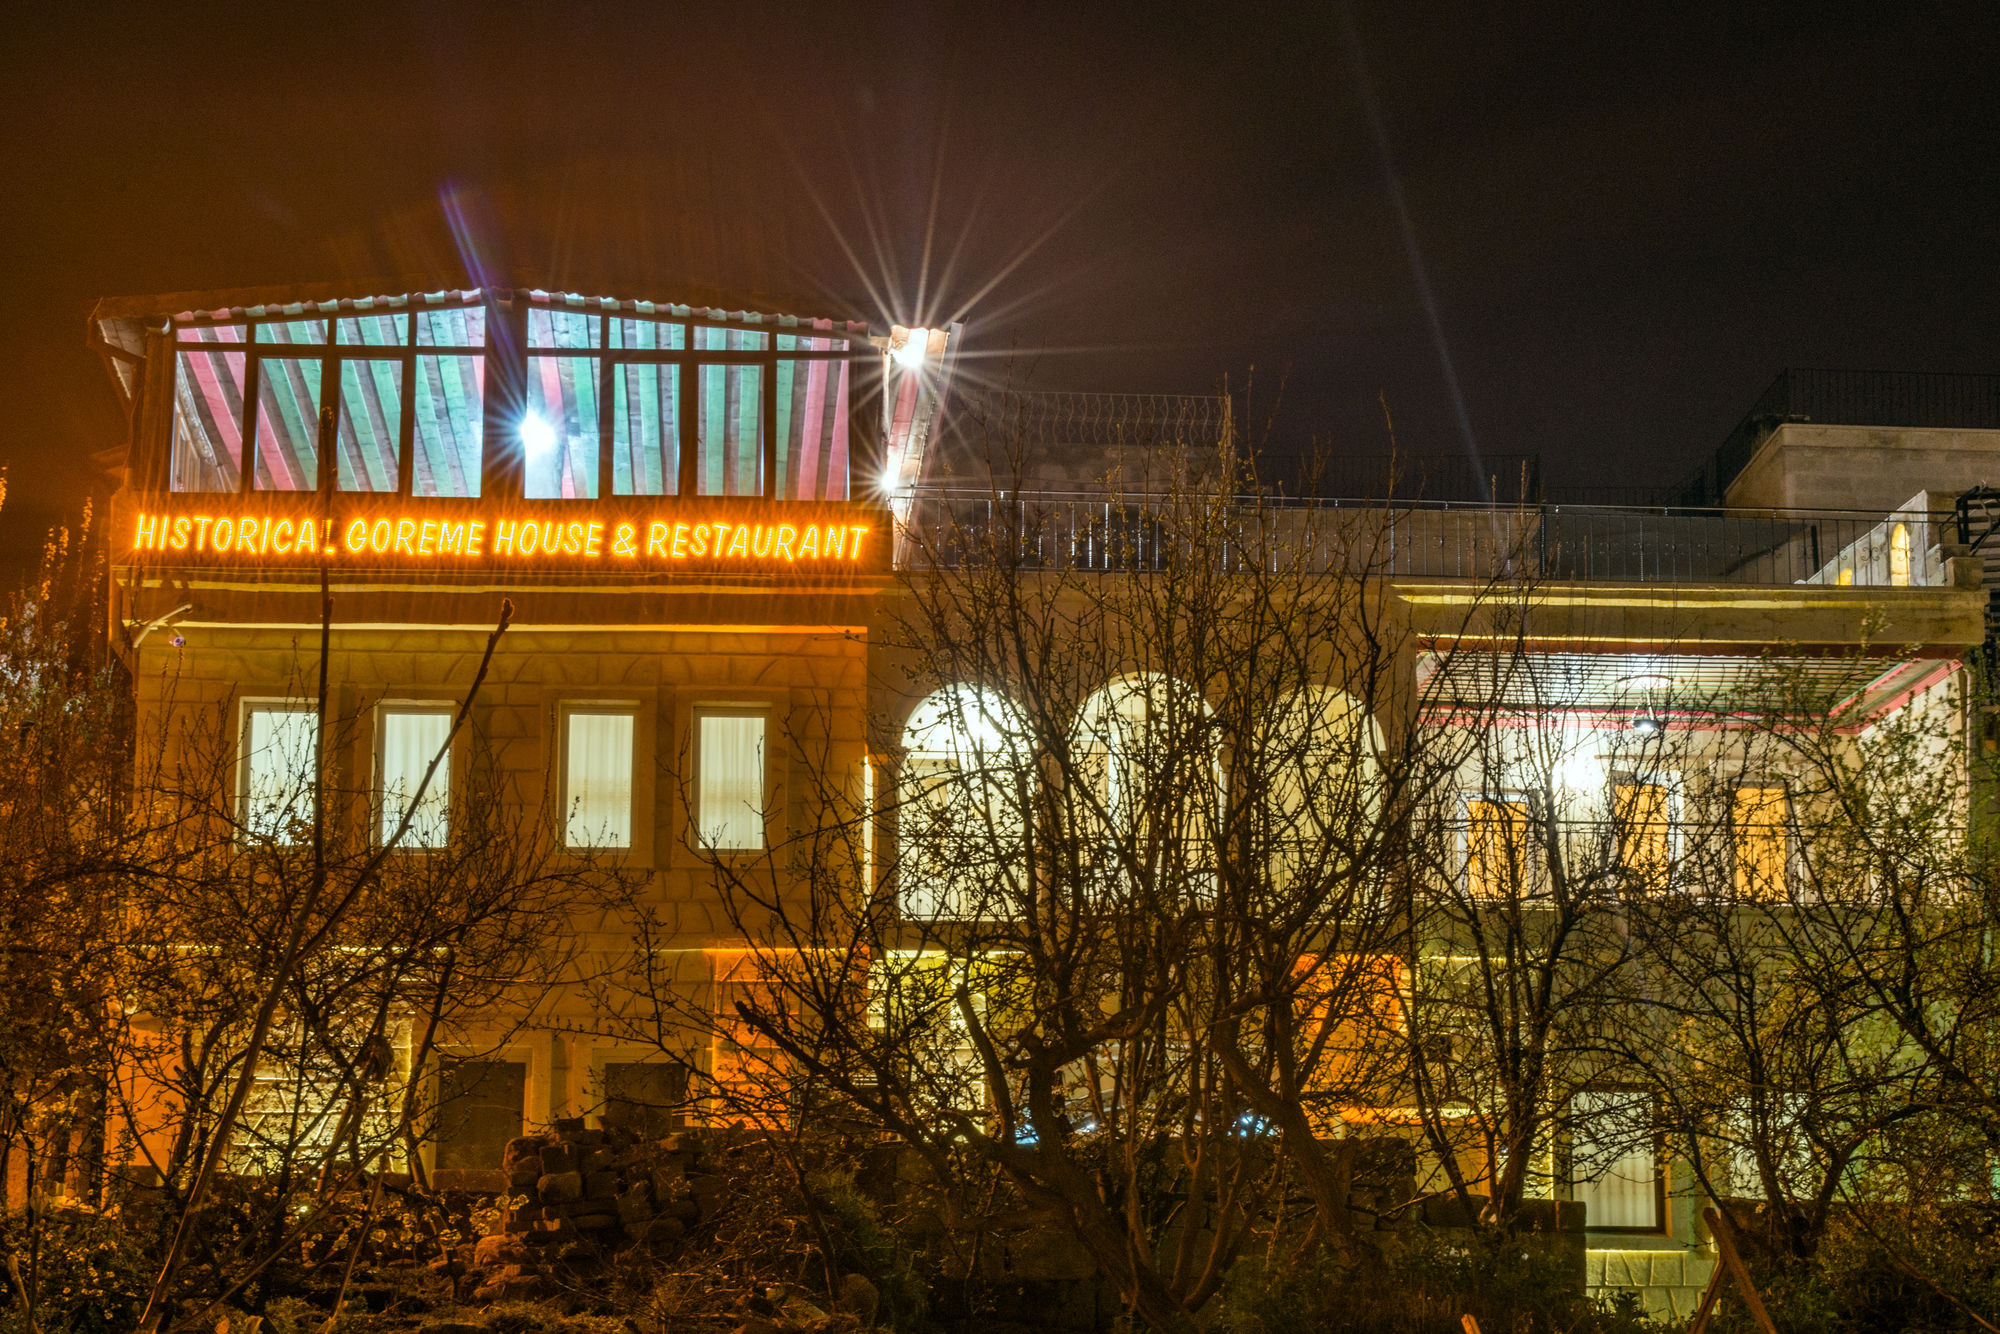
x=504 y=539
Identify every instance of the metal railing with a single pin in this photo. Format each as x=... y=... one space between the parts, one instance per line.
x=1055 y=531
x=1917 y=399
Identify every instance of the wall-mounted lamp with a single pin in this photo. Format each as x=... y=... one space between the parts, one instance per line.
x=910 y=353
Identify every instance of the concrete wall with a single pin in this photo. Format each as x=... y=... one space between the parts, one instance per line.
x=1802 y=465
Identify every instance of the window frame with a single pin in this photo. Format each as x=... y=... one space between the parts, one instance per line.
x=331 y=356
x=763 y=711
x=633 y=848
x=1468 y=797
x=1672 y=815
x=1787 y=834
x=241 y=803
x=1662 y=1224
x=382 y=711
x=691 y=359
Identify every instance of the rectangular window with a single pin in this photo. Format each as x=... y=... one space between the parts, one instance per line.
x=748 y=1074
x=208 y=409
x=812 y=403
x=561 y=432
x=648 y=1098
x=1614 y=1161
x=479 y=1110
x=729 y=416
x=1357 y=1001
x=449 y=405
x=645 y=430
x=369 y=437
x=287 y=422
x=408 y=739
x=1760 y=841
x=279 y=748
x=1496 y=847
x=454 y=326
x=387 y=330
x=597 y=778
x=729 y=796
x=1644 y=827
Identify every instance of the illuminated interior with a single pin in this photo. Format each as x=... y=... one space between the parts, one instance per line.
x=616 y=398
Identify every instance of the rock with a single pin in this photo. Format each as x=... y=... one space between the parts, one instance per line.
x=599 y=1185
x=800 y=1311
x=525 y=1177
x=501 y=1248
x=757 y=1324
x=662 y=1231
x=477 y=1180
x=595 y=1222
x=560 y=1187
x=522 y=1152
x=685 y=1209
x=635 y=1206
x=708 y=1192
x=858 y=1298
x=600 y=1160
x=519 y=1288
x=560 y=1158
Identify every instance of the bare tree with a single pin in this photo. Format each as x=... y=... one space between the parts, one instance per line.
x=1121 y=928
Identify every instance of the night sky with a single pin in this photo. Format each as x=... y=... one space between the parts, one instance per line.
x=1630 y=218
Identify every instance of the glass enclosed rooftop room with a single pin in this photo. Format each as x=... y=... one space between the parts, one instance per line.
x=527 y=393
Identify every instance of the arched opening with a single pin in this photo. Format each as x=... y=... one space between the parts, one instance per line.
x=1153 y=769
x=1899 y=556
x=967 y=758
x=1316 y=776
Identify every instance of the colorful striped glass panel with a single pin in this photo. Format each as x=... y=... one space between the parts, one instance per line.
x=449 y=400
x=287 y=424
x=292 y=331
x=729 y=418
x=562 y=328
x=461 y=327
x=645 y=430
x=812 y=403
x=372 y=330
x=559 y=434
x=371 y=424
x=647 y=336
x=207 y=452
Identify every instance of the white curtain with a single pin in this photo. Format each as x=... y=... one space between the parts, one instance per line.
x=730 y=799
x=278 y=748
x=600 y=780
x=1616 y=1171
x=411 y=738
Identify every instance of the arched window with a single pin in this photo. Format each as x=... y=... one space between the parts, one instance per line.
x=1899 y=556
x=1153 y=767
x=963 y=804
x=1317 y=774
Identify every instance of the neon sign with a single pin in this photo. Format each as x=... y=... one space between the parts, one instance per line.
x=408 y=537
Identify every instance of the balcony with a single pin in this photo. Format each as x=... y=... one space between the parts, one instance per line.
x=1075 y=531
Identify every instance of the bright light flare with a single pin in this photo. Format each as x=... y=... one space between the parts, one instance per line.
x=910 y=353
x=538 y=437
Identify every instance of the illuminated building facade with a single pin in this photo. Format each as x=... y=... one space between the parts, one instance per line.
x=694 y=511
